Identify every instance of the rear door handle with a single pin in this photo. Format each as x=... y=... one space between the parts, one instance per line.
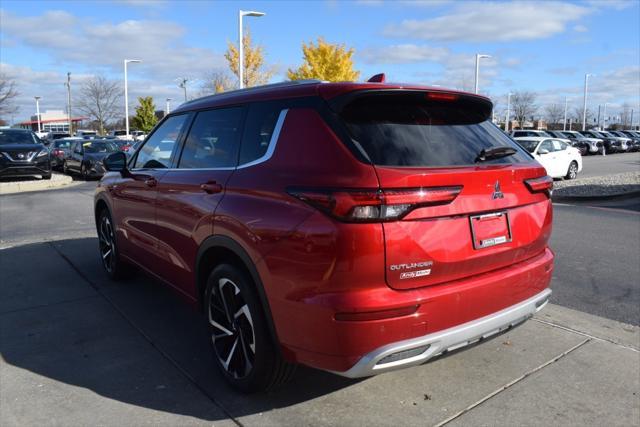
x=211 y=187
x=151 y=182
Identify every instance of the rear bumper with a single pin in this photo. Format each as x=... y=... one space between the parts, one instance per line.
x=436 y=343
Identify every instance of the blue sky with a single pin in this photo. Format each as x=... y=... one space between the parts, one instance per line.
x=544 y=46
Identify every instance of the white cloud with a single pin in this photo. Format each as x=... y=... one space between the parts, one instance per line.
x=403 y=54
x=491 y=21
x=580 y=29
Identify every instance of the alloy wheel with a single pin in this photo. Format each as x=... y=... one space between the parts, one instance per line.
x=573 y=171
x=107 y=243
x=233 y=333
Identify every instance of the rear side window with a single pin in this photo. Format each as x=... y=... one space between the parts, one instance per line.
x=414 y=130
x=213 y=140
x=260 y=126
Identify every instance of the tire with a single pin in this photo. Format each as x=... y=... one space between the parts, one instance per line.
x=243 y=348
x=47 y=176
x=115 y=268
x=84 y=172
x=572 y=172
x=65 y=168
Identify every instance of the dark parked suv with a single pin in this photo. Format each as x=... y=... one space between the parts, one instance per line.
x=22 y=154
x=356 y=228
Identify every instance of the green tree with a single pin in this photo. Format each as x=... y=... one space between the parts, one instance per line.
x=145 y=118
x=254 y=72
x=325 y=61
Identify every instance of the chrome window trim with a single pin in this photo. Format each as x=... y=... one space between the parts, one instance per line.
x=272 y=142
x=266 y=156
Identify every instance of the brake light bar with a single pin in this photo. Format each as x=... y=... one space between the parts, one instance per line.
x=439 y=96
x=543 y=184
x=375 y=205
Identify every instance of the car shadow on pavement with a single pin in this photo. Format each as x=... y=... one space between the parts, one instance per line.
x=135 y=341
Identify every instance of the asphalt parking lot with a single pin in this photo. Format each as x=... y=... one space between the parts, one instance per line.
x=84 y=350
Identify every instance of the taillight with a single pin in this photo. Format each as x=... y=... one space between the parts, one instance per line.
x=544 y=184
x=374 y=205
x=439 y=96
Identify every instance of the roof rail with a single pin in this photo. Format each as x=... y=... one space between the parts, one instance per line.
x=256 y=89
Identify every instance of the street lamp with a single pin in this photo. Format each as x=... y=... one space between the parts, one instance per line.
x=167 y=110
x=604 y=118
x=68 y=85
x=584 y=106
x=38 y=112
x=478 y=57
x=564 y=123
x=242 y=13
x=126 y=95
x=182 y=83
x=506 y=121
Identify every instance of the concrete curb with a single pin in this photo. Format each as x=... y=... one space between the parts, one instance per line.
x=57 y=181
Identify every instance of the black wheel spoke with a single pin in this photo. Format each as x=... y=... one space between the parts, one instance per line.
x=232 y=330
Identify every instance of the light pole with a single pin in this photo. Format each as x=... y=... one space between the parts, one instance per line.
x=506 y=120
x=126 y=95
x=68 y=85
x=38 y=112
x=478 y=57
x=242 y=13
x=604 y=118
x=584 y=106
x=182 y=83
x=167 y=110
x=564 y=122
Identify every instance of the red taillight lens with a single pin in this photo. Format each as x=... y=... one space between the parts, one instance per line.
x=377 y=315
x=544 y=184
x=375 y=205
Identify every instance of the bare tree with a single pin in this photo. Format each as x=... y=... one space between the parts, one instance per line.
x=625 y=116
x=216 y=82
x=100 y=99
x=7 y=94
x=577 y=117
x=554 y=114
x=524 y=106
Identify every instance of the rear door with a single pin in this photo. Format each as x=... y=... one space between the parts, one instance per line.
x=463 y=213
x=189 y=193
x=547 y=156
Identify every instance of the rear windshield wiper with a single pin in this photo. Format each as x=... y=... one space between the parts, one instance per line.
x=495 y=153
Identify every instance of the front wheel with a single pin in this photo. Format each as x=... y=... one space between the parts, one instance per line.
x=65 y=168
x=242 y=345
x=84 y=172
x=572 y=172
x=115 y=268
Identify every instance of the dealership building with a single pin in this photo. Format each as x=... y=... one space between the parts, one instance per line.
x=51 y=121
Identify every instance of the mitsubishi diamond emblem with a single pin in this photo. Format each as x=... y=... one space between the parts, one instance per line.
x=497 y=192
x=20 y=156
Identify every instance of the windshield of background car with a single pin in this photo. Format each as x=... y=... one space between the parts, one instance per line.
x=529 y=145
x=99 y=147
x=62 y=144
x=18 y=137
x=417 y=130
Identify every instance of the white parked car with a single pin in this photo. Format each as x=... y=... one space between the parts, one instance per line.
x=560 y=159
x=521 y=133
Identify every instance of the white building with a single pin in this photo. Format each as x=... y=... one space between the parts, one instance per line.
x=51 y=121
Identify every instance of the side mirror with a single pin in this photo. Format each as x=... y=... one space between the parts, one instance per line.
x=543 y=151
x=115 y=162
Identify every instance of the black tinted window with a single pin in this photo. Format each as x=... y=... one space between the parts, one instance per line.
x=260 y=125
x=17 y=137
x=213 y=139
x=415 y=131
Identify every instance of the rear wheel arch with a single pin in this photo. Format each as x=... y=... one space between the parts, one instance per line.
x=217 y=250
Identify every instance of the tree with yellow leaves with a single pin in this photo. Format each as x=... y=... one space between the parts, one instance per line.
x=325 y=61
x=254 y=68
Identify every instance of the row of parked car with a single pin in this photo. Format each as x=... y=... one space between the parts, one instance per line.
x=23 y=154
x=590 y=141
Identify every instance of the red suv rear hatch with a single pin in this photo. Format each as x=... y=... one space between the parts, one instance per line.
x=464 y=198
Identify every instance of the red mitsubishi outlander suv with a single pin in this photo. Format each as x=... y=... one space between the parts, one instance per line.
x=351 y=227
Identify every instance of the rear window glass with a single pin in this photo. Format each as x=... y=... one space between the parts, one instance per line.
x=412 y=130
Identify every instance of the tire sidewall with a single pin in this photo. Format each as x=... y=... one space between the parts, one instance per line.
x=117 y=268
x=573 y=164
x=264 y=356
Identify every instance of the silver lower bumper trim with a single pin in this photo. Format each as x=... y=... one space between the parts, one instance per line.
x=446 y=340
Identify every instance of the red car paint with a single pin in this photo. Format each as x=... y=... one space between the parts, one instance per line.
x=333 y=289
